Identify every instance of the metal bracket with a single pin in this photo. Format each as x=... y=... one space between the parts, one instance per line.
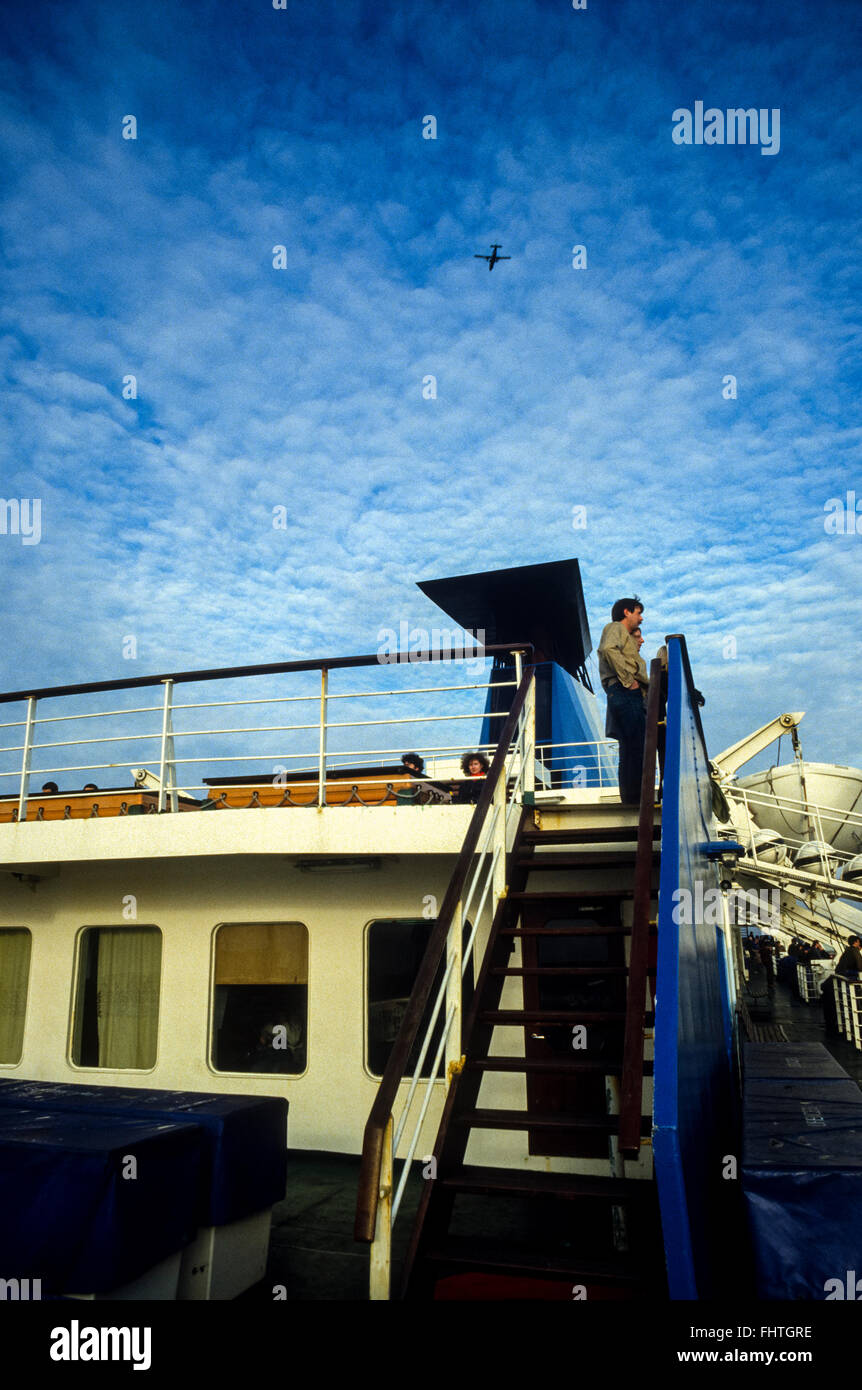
x=455 y=1069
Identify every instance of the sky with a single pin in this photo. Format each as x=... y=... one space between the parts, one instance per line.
x=243 y=454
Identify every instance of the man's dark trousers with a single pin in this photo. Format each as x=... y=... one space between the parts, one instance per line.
x=626 y=708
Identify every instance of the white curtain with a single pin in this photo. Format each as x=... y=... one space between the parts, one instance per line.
x=14 y=970
x=127 y=978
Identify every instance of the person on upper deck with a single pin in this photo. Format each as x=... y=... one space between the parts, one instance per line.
x=428 y=793
x=642 y=674
x=624 y=678
x=850 y=961
x=474 y=766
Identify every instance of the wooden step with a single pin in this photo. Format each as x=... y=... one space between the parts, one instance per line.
x=560 y=970
x=490 y=1257
x=585 y=835
x=600 y=859
x=588 y=895
x=577 y=929
x=607 y=1066
x=528 y=1119
x=518 y=1017
x=505 y=1183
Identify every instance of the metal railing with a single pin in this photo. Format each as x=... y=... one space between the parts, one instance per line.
x=478 y=882
x=631 y=1101
x=592 y=763
x=816 y=815
x=317 y=742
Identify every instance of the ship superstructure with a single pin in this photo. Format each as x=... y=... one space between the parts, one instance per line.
x=263 y=901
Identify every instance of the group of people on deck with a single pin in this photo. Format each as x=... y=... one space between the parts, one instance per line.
x=625 y=681
x=475 y=767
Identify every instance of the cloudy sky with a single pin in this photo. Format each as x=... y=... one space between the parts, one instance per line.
x=171 y=380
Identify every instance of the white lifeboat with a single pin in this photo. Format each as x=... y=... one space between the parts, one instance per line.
x=815 y=857
x=852 y=870
x=835 y=791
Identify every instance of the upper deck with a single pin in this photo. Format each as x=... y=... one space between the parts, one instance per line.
x=313 y=749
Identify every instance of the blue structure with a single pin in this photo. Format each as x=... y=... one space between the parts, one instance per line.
x=543 y=606
x=566 y=713
x=694 y=1096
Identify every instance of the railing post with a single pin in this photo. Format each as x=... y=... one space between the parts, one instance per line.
x=748 y=820
x=631 y=1097
x=453 y=993
x=321 y=757
x=380 y=1264
x=25 y=761
x=499 y=813
x=167 y=767
x=529 y=739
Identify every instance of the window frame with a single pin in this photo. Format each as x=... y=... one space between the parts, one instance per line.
x=271 y=1077
x=366 y=998
x=27 y=993
x=74 y=1001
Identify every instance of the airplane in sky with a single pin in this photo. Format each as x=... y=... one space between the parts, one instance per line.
x=493 y=258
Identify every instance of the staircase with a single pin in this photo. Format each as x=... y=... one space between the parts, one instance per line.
x=543 y=1069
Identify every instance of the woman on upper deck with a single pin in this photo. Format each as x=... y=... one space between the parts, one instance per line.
x=475 y=767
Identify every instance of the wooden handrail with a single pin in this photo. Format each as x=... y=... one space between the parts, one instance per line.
x=633 y=1047
x=375 y=1128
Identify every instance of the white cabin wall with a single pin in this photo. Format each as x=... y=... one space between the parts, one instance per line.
x=187 y=900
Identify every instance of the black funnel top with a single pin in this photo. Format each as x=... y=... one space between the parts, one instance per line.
x=542 y=604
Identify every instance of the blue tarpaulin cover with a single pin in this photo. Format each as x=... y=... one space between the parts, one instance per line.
x=245 y=1155
x=76 y=1213
x=802 y=1181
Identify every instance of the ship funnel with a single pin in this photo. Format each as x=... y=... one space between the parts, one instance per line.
x=542 y=604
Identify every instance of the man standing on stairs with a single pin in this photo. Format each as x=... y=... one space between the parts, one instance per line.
x=623 y=676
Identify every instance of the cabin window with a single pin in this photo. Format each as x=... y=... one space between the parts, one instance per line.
x=15 y=943
x=260 y=1002
x=117 y=997
x=394 y=954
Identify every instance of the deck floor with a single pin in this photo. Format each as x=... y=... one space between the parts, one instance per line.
x=312 y=1252
x=804 y=1023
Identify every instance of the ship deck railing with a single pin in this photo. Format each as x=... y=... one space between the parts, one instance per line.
x=290 y=745
x=823 y=822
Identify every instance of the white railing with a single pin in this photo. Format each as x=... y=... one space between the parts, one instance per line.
x=177 y=741
x=182 y=743
x=848 y=1005
x=817 y=816
x=591 y=764
x=481 y=893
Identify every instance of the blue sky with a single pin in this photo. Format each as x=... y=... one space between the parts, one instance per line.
x=301 y=388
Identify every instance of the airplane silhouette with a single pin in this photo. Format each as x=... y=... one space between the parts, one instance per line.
x=493 y=258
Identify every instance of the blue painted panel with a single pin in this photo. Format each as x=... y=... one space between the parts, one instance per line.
x=566 y=713
x=693 y=1078
x=575 y=719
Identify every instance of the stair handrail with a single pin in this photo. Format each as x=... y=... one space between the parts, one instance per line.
x=631 y=1103
x=381 y=1115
